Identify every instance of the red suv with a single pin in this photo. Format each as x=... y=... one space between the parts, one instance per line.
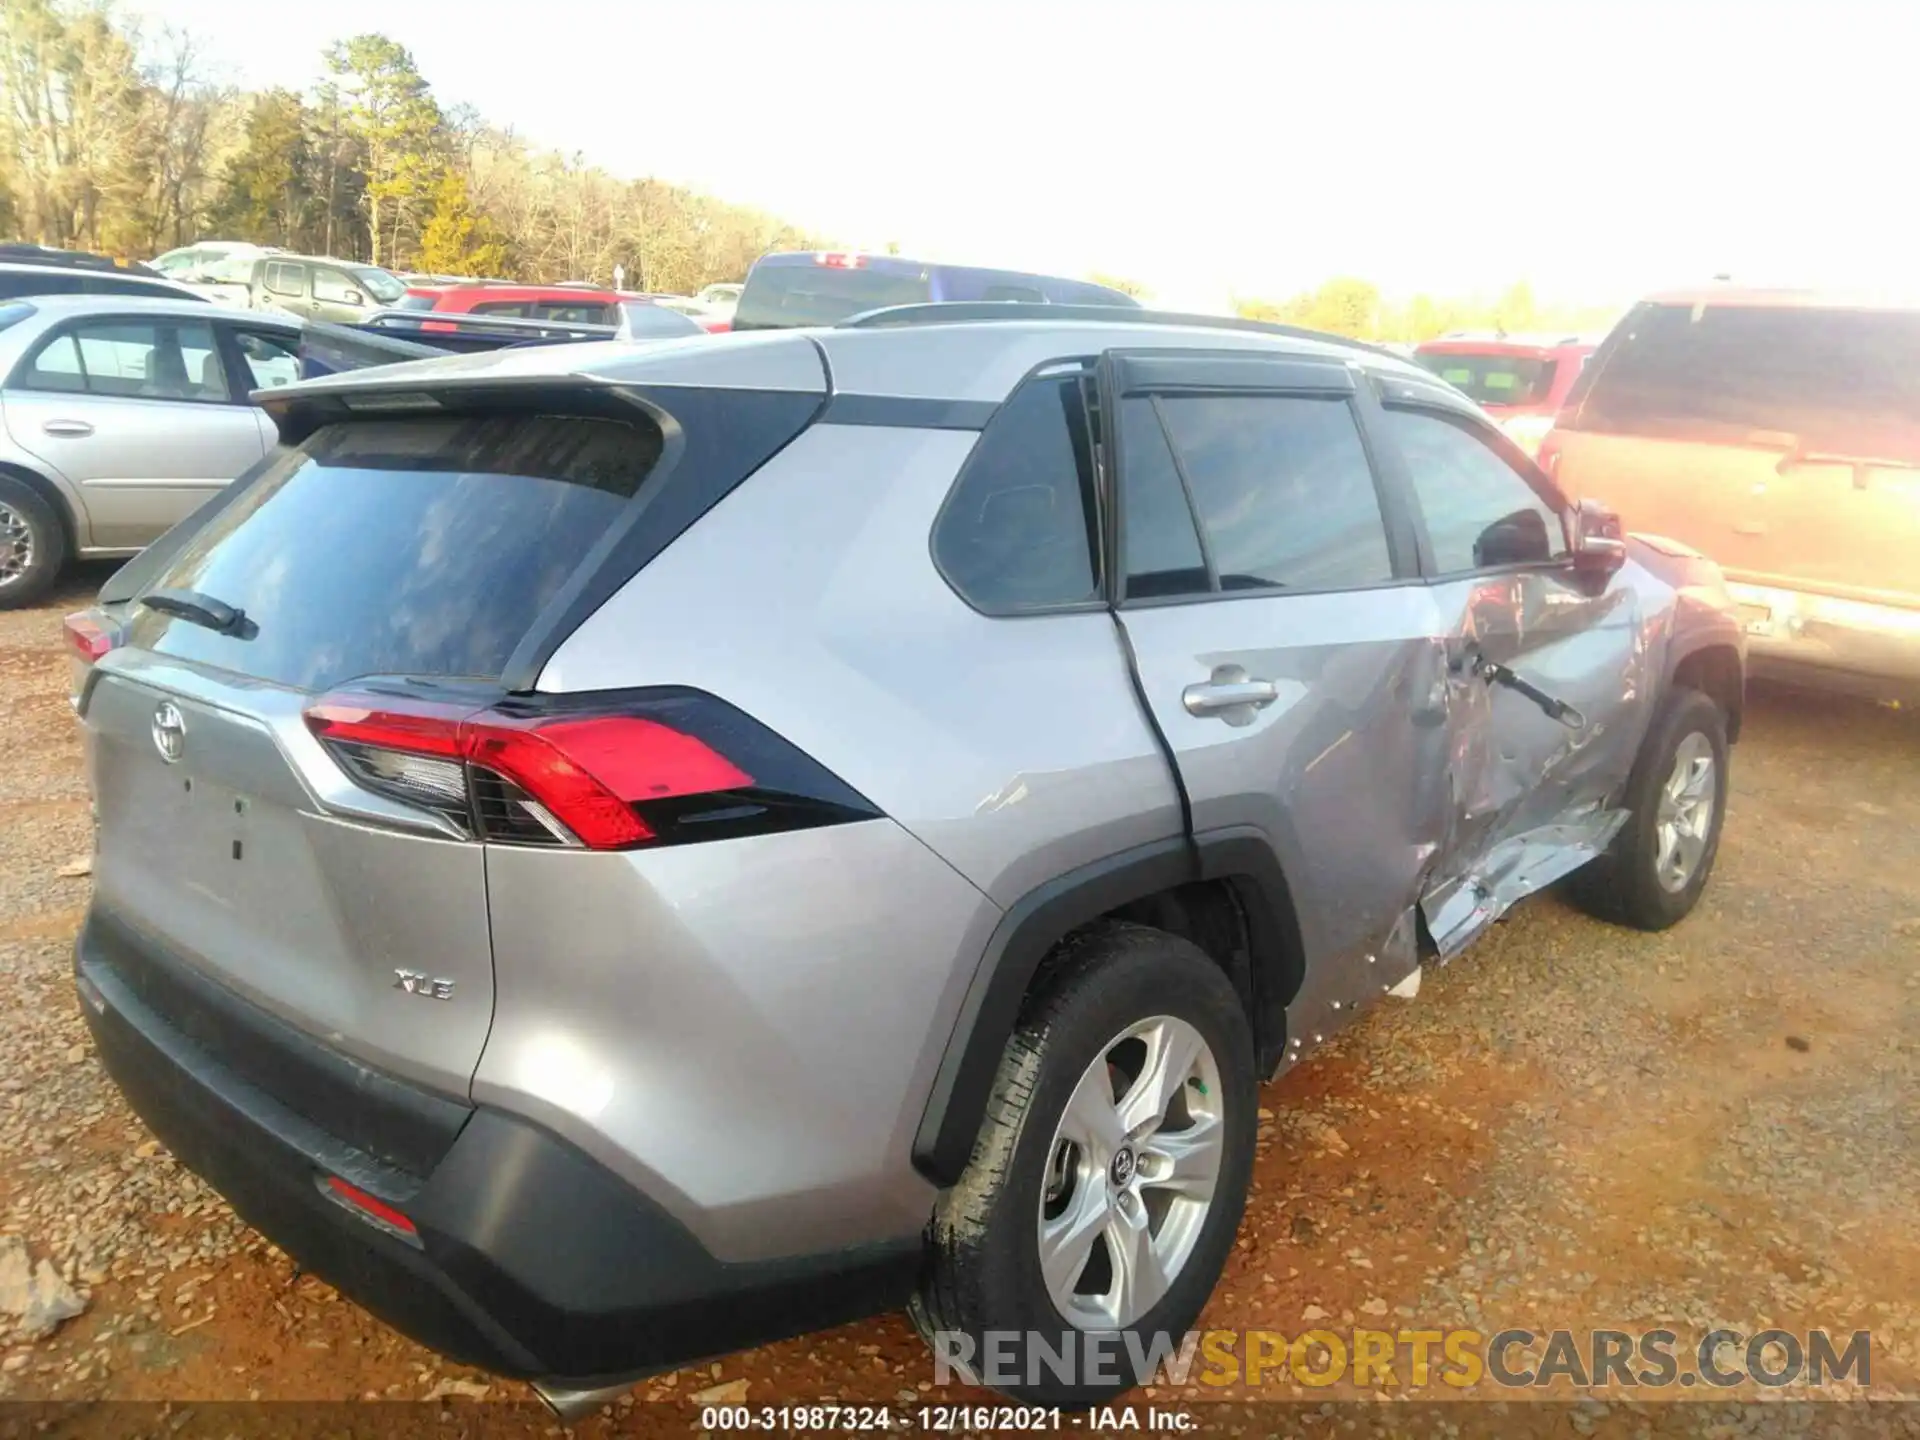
x=1520 y=381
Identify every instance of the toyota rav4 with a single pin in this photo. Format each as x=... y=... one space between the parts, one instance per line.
x=610 y=855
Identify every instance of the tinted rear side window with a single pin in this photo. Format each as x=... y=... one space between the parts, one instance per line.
x=37 y=282
x=1846 y=381
x=788 y=295
x=1018 y=532
x=1283 y=490
x=404 y=547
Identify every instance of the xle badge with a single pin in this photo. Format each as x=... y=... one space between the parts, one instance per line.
x=427 y=986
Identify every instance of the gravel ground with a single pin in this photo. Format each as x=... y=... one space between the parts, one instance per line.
x=1572 y=1127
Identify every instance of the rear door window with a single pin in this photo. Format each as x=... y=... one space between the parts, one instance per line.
x=1839 y=381
x=133 y=359
x=287 y=279
x=1282 y=488
x=408 y=546
x=1018 y=532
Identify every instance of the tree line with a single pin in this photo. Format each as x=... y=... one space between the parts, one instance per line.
x=119 y=142
x=1348 y=306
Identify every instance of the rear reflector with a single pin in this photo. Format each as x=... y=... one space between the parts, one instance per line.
x=371 y=1207
x=603 y=772
x=90 y=634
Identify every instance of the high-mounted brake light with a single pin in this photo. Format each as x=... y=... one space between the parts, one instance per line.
x=90 y=635
x=645 y=769
x=840 y=260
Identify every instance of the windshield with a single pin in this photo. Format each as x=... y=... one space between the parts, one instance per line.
x=1493 y=379
x=786 y=295
x=383 y=287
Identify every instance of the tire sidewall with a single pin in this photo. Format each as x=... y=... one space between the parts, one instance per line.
x=49 y=544
x=1106 y=1000
x=1690 y=713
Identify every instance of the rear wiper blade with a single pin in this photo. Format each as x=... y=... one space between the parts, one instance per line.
x=216 y=615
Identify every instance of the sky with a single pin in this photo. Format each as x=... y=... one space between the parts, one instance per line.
x=1594 y=148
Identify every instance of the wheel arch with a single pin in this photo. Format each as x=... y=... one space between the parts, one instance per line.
x=1715 y=668
x=55 y=494
x=1227 y=892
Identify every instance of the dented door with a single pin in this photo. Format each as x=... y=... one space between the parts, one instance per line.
x=1521 y=637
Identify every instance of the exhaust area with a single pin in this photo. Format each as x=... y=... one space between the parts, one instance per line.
x=569 y=1405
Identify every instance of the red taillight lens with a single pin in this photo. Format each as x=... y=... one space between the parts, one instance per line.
x=371 y=1206
x=835 y=260
x=652 y=769
x=90 y=635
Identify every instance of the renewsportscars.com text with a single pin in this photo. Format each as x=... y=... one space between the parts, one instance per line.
x=1410 y=1358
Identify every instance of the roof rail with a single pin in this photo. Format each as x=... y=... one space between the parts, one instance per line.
x=445 y=321
x=21 y=254
x=966 y=312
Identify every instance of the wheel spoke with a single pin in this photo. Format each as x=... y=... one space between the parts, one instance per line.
x=1090 y=1119
x=1185 y=1161
x=1066 y=1241
x=1139 y=1279
x=1172 y=1049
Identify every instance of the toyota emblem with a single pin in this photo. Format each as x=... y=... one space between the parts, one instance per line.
x=169 y=731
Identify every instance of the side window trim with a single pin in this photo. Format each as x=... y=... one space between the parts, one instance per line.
x=1536 y=480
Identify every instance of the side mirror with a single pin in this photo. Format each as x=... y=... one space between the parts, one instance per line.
x=1517 y=539
x=354 y=297
x=1599 y=540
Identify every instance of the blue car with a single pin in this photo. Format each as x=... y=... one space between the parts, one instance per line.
x=825 y=287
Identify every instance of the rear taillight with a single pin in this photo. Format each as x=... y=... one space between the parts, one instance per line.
x=90 y=635
x=603 y=772
x=838 y=260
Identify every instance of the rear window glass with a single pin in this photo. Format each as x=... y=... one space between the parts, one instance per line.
x=787 y=295
x=1846 y=381
x=403 y=547
x=1493 y=379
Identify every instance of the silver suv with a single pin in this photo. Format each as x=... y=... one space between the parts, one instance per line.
x=612 y=854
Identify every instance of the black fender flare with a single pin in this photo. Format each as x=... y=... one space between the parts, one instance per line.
x=1028 y=931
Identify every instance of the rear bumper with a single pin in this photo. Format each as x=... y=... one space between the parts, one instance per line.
x=531 y=1259
x=1823 y=640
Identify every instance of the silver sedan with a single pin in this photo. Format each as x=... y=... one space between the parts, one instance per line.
x=119 y=416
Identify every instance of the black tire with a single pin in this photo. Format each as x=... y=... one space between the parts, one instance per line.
x=43 y=536
x=982 y=1272
x=1623 y=885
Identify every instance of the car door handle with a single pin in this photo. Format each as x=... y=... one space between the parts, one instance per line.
x=67 y=427
x=1214 y=696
